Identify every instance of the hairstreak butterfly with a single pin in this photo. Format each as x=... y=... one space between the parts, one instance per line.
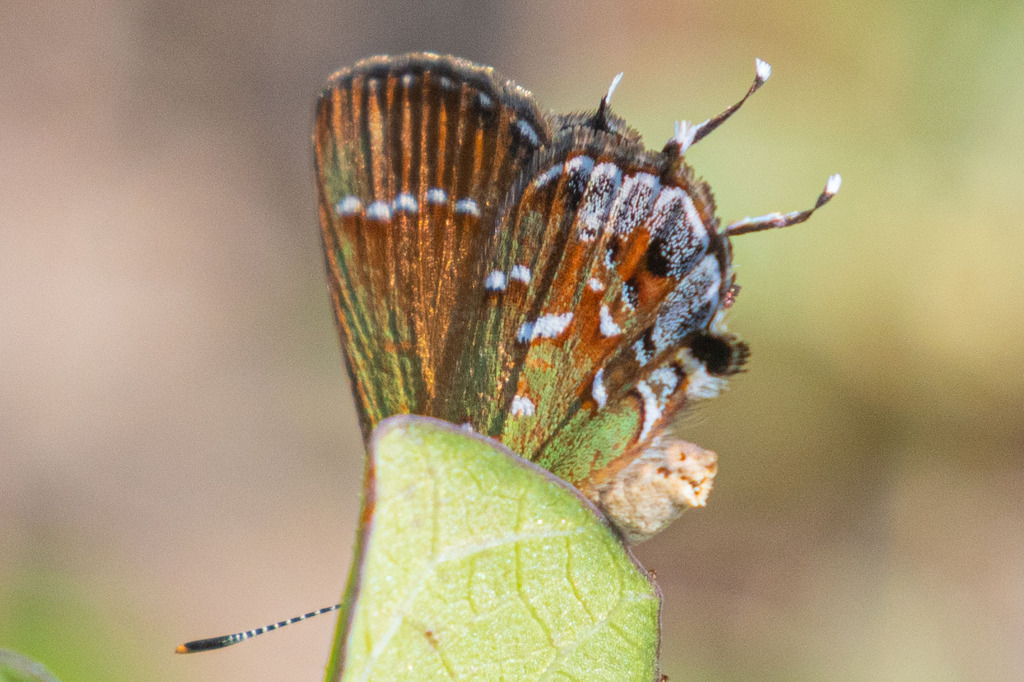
x=541 y=279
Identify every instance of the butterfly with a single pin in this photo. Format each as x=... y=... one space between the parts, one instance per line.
x=542 y=279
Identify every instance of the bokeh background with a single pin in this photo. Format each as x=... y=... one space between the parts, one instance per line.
x=179 y=454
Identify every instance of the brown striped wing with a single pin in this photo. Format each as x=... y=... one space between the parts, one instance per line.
x=415 y=159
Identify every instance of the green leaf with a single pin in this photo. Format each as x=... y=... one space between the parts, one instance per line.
x=15 y=667
x=474 y=563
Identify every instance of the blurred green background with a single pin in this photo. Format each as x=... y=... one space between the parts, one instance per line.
x=179 y=454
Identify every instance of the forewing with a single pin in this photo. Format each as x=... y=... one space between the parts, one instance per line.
x=415 y=157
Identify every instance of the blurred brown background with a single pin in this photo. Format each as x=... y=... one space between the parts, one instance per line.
x=178 y=451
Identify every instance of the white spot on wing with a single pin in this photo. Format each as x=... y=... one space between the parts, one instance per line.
x=544 y=327
x=693 y=217
x=527 y=130
x=652 y=411
x=641 y=353
x=467 y=206
x=437 y=196
x=547 y=176
x=602 y=187
x=595 y=284
x=551 y=326
x=632 y=203
x=522 y=406
x=495 y=281
x=668 y=379
x=406 y=202
x=521 y=273
x=378 y=210
x=608 y=326
x=598 y=390
x=628 y=293
x=689 y=305
x=700 y=384
x=349 y=205
x=578 y=163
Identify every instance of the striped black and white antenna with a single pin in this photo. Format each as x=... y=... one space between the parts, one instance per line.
x=211 y=643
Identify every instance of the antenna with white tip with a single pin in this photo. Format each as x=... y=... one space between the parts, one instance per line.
x=688 y=135
x=212 y=643
x=773 y=220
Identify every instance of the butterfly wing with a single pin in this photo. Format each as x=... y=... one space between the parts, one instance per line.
x=610 y=322
x=414 y=159
x=611 y=328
